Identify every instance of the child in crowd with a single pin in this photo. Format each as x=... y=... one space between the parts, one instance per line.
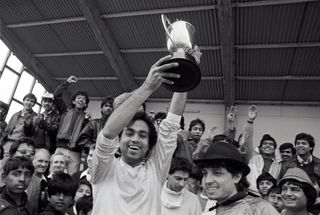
x=61 y=192
x=16 y=176
x=265 y=182
x=274 y=197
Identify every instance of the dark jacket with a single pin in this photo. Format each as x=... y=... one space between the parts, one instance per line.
x=45 y=131
x=8 y=206
x=3 y=126
x=313 y=167
x=11 y=125
x=89 y=133
x=51 y=211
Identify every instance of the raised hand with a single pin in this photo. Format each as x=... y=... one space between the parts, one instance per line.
x=157 y=74
x=231 y=114
x=252 y=113
x=72 y=79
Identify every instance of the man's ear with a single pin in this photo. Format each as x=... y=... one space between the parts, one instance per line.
x=237 y=177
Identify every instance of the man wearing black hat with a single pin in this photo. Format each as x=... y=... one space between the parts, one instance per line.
x=224 y=180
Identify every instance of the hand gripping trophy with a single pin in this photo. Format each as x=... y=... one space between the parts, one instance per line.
x=180 y=43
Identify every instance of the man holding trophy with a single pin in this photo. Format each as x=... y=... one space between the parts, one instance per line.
x=132 y=184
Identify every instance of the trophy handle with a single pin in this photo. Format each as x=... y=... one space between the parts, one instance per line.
x=165 y=21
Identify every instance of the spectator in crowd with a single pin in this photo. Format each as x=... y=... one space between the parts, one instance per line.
x=45 y=126
x=194 y=181
x=133 y=183
x=58 y=163
x=316 y=182
x=41 y=162
x=175 y=199
x=72 y=122
x=265 y=182
x=264 y=161
x=187 y=141
x=3 y=113
x=61 y=192
x=274 y=197
x=287 y=151
x=25 y=148
x=15 y=128
x=224 y=180
x=297 y=192
x=158 y=119
x=84 y=189
x=304 y=158
x=16 y=176
x=84 y=205
x=89 y=133
x=86 y=174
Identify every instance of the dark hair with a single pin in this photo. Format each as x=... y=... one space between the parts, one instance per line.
x=268 y=137
x=82 y=93
x=308 y=190
x=315 y=178
x=231 y=167
x=84 y=181
x=274 y=189
x=196 y=122
x=222 y=138
x=16 y=163
x=181 y=164
x=84 y=204
x=182 y=123
x=14 y=147
x=4 y=106
x=106 y=100
x=30 y=96
x=153 y=135
x=288 y=146
x=62 y=183
x=307 y=137
x=160 y=115
x=266 y=176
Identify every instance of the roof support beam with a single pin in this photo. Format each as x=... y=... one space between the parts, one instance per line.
x=279 y=78
x=160 y=11
x=107 y=43
x=32 y=64
x=226 y=38
x=277 y=45
x=269 y=2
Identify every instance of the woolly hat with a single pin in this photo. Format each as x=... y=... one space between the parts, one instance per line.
x=220 y=151
x=268 y=137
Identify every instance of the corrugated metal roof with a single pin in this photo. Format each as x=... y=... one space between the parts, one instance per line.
x=269 y=24
x=270 y=40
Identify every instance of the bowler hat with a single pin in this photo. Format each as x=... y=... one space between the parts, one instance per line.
x=226 y=152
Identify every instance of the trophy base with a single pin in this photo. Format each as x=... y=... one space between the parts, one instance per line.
x=188 y=70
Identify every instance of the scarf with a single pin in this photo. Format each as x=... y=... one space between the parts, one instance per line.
x=171 y=199
x=231 y=200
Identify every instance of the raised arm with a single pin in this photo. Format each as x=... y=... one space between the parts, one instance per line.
x=122 y=115
x=246 y=141
x=230 y=129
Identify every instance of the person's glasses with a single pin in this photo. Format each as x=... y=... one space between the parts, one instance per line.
x=26 y=152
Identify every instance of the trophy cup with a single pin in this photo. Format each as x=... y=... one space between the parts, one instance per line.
x=180 y=36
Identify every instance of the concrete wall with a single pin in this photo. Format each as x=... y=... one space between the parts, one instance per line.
x=281 y=122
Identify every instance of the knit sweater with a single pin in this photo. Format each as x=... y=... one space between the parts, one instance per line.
x=124 y=190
